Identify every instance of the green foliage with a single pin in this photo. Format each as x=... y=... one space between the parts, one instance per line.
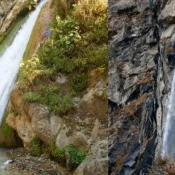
x=79 y=82
x=29 y=70
x=89 y=13
x=50 y=88
x=36 y=146
x=50 y=96
x=32 y=5
x=32 y=97
x=77 y=43
x=66 y=36
x=58 y=103
x=14 y=112
x=1 y=37
x=76 y=155
x=63 y=45
x=6 y=130
x=58 y=153
x=72 y=46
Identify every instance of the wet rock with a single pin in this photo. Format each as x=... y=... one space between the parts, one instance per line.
x=167 y=14
x=122 y=6
x=134 y=55
x=96 y=161
x=168 y=32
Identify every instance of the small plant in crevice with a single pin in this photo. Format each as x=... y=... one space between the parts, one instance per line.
x=14 y=112
x=6 y=130
x=79 y=82
x=76 y=155
x=36 y=146
x=58 y=154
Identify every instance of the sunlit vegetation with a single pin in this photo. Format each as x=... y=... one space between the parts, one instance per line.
x=77 y=43
x=76 y=155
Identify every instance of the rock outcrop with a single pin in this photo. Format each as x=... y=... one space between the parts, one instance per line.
x=10 y=11
x=141 y=62
x=96 y=160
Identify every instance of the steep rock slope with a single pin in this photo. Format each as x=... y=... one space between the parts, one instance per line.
x=140 y=76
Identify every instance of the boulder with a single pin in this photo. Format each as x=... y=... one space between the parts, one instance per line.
x=96 y=161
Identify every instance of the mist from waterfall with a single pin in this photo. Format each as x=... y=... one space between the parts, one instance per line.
x=10 y=60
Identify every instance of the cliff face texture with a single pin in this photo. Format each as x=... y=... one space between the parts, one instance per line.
x=141 y=47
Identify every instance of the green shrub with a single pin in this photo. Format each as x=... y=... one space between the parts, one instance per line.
x=14 y=112
x=58 y=153
x=88 y=11
x=50 y=96
x=77 y=43
x=76 y=155
x=36 y=146
x=79 y=82
x=50 y=88
x=5 y=129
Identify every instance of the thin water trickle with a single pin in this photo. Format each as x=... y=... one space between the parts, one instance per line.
x=168 y=149
x=10 y=60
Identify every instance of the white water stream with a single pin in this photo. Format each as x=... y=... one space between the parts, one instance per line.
x=168 y=149
x=9 y=67
x=10 y=60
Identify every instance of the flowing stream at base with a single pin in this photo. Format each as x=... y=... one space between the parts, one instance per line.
x=9 y=67
x=168 y=148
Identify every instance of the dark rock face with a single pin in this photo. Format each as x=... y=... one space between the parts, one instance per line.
x=141 y=63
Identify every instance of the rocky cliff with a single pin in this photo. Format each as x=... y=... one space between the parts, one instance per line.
x=141 y=62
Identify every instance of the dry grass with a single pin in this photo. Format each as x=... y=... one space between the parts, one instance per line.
x=148 y=78
x=119 y=162
x=163 y=40
x=133 y=106
x=88 y=10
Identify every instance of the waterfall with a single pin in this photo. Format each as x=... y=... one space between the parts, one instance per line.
x=169 y=135
x=10 y=60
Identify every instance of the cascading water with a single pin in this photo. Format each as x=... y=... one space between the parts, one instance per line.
x=168 y=149
x=10 y=60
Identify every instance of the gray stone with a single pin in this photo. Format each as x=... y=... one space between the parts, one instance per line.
x=168 y=13
x=96 y=162
x=61 y=79
x=122 y=5
x=168 y=32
